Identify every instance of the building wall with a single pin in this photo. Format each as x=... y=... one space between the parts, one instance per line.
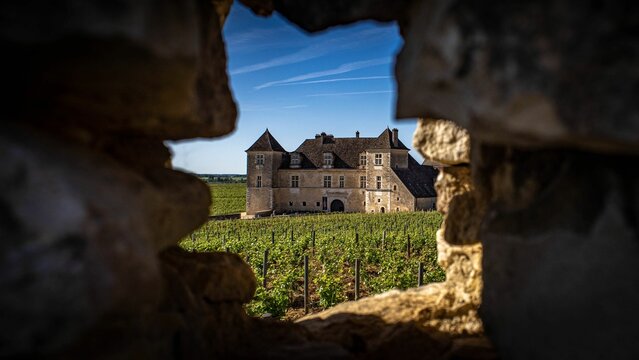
x=425 y=203
x=276 y=193
x=260 y=199
x=376 y=199
x=311 y=190
x=399 y=158
x=402 y=199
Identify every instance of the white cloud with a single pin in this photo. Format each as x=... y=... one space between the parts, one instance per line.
x=335 y=80
x=353 y=93
x=294 y=106
x=344 y=68
x=320 y=48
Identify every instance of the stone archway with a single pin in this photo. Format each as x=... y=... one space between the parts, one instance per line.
x=382 y=210
x=337 y=206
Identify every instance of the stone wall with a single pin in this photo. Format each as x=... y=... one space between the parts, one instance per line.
x=90 y=206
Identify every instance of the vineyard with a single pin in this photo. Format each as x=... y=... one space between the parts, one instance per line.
x=227 y=198
x=390 y=248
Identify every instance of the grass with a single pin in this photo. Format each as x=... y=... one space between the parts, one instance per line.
x=228 y=198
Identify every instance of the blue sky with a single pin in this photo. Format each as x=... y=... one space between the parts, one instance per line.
x=296 y=85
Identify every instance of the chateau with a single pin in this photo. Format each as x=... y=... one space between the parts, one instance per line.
x=355 y=174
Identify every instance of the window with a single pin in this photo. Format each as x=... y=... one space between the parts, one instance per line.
x=379 y=182
x=394 y=187
x=317 y=204
x=341 y=181
x=362 y=159
x=295 y=159
x=379 y=200
x=362 y=182
x=303 y=203
x=258 y=182
x=295 y=181
x=259 y=159
x=328 y=159
x=290 y=203
x=327 y=181
x=378 y=159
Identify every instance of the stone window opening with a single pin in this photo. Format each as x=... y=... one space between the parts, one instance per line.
x=303 y=203
x=379 y=182
x=379 y=200
x=317 y=204
x=328 y=160
x=258 y=181
x=327 y=181
x=295 y=181
x=295 y=159
x=290 y=203
x=362 y=182
x=395 y=188
x=362 y=159
x=378 y=159
x=259 y=159
x=341 y=181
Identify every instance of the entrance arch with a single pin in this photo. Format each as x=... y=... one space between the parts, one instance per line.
x=337 y=206
x=382 y=210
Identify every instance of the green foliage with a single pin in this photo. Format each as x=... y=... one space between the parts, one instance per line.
x=228 y=198
x=380 y=246
x=329 y=289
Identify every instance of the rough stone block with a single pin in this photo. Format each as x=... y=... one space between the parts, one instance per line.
x=442 y=141
x=213 y=277
x=97 y=68
x=503 y=72
x=559 y=271
x=452 y=181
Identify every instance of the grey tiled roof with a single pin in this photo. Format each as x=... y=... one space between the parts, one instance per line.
x=419 y=179
x=266 y=142
x=345 y=150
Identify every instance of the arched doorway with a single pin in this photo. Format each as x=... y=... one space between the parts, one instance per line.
x=337 y=206
x=382 y=210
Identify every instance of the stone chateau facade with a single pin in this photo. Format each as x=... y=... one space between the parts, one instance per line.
x=355 y=174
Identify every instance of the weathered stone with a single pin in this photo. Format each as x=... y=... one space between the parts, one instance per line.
x=442 y=141
x=434 y=307
x=463 y=269
x=213 y=277
x=559 y=274
x=84 y=230
x=463 y=222
x=525 y=73
x=451 y=181
x=317 y=15
x=97 y=68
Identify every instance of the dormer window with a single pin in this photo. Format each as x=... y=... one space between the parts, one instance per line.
x=328 y=159
x=295 y=159
x=362 y=159
x=259 y=159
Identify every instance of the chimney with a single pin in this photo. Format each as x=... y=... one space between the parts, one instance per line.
x=357 y=134
x=395 y=137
